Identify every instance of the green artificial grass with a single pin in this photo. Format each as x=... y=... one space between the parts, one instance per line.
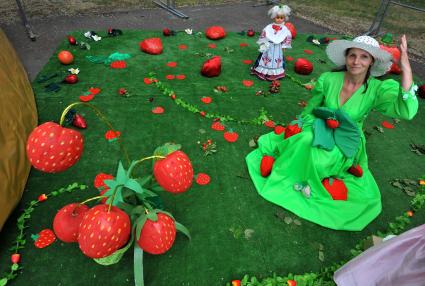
x=234 y=231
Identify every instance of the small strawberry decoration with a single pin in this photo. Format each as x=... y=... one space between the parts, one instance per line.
x=289 y=58
x=171 y=64
x=387 y=125
x=118 y=65
x=157 y=236
x=292 y=282
x=202 y=113
x=182 y=47
x=44 y=238
x=332 y=123
x=174 y=173
x=112 y=135
x=217 y=126
x=279 y=129
x=71 y=79
x=409 y=213
x=356 y=170
x=231 y=136
x=173 y=96
x=99 y=181
x=42 y=198
x=72 y=40
x=203 y=179
x=158 y=110
x=206 y=99
x=67 y=221
x=79 y=121
x=269 y=123
x=52 y=148
x=266 y=165
x=291 y=130
x=247 y=62
x=243 y=45
x=309 y=52
x=180 y=76
x=247 y=83
x=336 y=188
x=147 y=80
x=94 y=90
x=103 y=230
x=170 y=76
x=86 y=98
x=236 y=282
x=212 y=46
x=15 y=258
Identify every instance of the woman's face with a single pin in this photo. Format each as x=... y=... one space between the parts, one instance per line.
x=358 y=61
x=279 y=19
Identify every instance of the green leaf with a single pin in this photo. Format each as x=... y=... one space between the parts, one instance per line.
x=140 y=222
x=134 y=185
x=166 y=149
x=121 y=177
x=183 y=229
x=14 y=267
x=144 y=180
x=321 y=256
x=3 y=282
x=138 y=265
x=116 y=256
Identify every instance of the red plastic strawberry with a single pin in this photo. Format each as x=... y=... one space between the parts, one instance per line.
x=173 y=96
x=202 y=113
x=247 y=62
x=172 y=64
x=332 y=123
x=45 y=238
x=71 y=79
x=67 y=221
x=387 y=125
x=52 y=148
x=170 y=76
x=236 y=282
x=158 y=110
x=94 y=90
x=86 y=98
x=356 y=170
x=217 y=126
x=230 y=136
x=269 y=123
x=42 y=198
x=112 y=135
x=292 y=282
x=147 y=80
x=180 y=76
x=250 y=33
x=182 y=47
x=336 y=188
x=206 y=99
x=279 y=129
x=166 y=32
x=157 y=237
x=247 y=83
x=72 y=40
x=266 y=165
x=79 y=121
x=103 y=231
x=15 y=258
x=174 y=173
x=203 y=179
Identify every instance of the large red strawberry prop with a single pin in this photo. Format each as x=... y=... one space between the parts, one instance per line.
x=158 y=236
x=215 y=33
x=151 y=46
x=52 y=148
x=103 y=231
x=67 y=221
x=174 y=173
x=212 y=67
x=303 y=66
x=45 y=238
x=336 y=188
x=266 y=165
x=292 y=130
x=291 y=29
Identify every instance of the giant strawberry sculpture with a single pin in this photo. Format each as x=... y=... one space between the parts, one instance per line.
x=52 y=148
x=103 y=230
x=174 y=173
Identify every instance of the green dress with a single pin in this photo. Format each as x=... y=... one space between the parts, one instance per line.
x=297 y=162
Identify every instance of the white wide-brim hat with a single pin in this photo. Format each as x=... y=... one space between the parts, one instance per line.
x=336 y=53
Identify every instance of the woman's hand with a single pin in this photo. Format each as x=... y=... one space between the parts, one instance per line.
x=407 y=78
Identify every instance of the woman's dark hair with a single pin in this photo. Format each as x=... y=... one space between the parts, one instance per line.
x=344 y=68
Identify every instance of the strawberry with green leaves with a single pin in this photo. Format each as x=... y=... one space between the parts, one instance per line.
x=174 y=173
x=44 y=238
x=332 y=123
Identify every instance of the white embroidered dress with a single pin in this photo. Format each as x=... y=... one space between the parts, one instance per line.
x=270 y=64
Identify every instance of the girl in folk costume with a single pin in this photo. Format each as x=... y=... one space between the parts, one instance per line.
x=270 y=64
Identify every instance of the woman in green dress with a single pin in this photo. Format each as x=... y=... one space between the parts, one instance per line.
x=321 y=173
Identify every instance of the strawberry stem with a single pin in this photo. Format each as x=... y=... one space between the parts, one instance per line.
x=102 y=117
x=143 y=159
x=92 y=199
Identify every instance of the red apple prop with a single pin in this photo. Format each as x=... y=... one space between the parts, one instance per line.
x=67 y=221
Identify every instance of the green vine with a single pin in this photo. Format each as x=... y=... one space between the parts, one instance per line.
x=22 y=225
x=324 y=277
x=258 y=121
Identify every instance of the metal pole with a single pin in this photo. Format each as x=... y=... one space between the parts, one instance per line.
x=25 y=21
x=408 y=6
x=170 y=8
